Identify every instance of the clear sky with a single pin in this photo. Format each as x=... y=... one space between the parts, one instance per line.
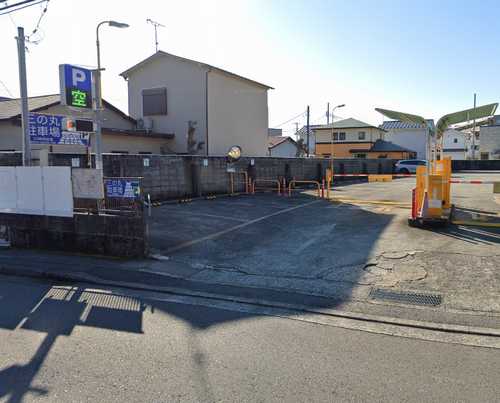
x=425 y=57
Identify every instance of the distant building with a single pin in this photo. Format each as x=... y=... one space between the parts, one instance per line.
x=408 y=135
x=274 y=132
x=489 y=147
x=347 y=138
x=385 y=149
x=456 y=145
x=4 y=99
x=283 y=147
x=220 y=109
x=119 y=133
x=302 y=135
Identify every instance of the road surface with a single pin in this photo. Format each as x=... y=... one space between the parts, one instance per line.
x=71 y=343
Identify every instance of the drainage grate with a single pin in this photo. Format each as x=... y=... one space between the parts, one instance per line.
x=412 y=298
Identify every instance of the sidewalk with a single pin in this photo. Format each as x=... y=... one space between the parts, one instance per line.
x=463 y=305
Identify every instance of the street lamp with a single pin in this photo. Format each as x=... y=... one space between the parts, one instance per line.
x=331 y=140
x=98 y=99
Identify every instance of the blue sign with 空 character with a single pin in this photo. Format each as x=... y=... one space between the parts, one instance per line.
x=76 y=86
x=122 y=188
x=48 y=129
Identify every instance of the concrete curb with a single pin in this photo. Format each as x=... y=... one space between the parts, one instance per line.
x=385 y=320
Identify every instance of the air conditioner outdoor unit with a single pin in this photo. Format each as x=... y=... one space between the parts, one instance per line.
x=148 y=124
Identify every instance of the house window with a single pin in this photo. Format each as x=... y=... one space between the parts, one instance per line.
x=382 y=156
x=360 y=155
x=145 y=153
x=485 y=156
x=455 y=140
x=335 y=136
x=119 y=152
x=326 y=155
x=342 y=136
x=154 y=101
x=361 y=135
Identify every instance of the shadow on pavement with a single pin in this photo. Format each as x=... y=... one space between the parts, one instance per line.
x=320 y=241
x=57 y=312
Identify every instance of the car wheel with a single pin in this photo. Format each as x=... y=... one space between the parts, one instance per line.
x=404 y=171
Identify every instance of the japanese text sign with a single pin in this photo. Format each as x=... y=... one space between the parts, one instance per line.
x=47 y=129
x=76 y=86
x=123 y=188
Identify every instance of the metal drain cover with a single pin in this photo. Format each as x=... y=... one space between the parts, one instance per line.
x=412 y=298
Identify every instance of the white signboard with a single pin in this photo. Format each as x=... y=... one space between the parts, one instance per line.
x=87 y=183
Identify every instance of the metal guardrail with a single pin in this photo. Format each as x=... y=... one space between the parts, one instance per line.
x=294 y=181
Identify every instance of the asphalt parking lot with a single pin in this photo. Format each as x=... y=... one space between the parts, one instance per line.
x=340 y=248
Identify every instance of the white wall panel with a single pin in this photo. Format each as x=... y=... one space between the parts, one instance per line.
x=29 y=190
x=57 y=191
x=8 y=190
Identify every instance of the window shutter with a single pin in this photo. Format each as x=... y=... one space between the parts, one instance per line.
x=154 y=101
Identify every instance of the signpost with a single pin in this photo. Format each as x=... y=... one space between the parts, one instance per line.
x=49 y=129
x=76 y=86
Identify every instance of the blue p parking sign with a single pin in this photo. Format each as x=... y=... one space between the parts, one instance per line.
x=76 y=86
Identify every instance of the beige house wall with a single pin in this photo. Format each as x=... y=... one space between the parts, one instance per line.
x=185 y=84
x=352 y=134
x=237 y=115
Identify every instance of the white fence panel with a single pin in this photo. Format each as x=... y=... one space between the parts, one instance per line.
x=57 y=191
x=36 y=190
x=8 y=190
x=29 y=190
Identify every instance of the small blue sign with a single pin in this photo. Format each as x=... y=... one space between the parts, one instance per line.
x=76 y=85
x=122 y=188
x=47 y=129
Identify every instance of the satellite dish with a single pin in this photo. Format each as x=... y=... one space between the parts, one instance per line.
x=234 y=154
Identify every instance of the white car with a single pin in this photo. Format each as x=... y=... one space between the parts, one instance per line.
x=408 y=166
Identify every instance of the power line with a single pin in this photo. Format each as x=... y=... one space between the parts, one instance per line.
x=289 y=120
x=24 y=4
x=6 y=89
x=37 y=26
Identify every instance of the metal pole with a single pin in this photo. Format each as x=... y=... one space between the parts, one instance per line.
x=156 y=37
x=98 y=105
x=328 y=113
x=474 y=131
x=24 y=97
x=307 y=128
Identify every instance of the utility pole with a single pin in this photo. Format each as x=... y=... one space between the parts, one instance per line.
x=474 y=131
x=155 y=25
x=21 y=47
x=328 y=113
x=307 y=130
x=296 y=127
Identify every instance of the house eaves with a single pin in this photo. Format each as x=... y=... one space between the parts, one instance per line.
x=160 y=54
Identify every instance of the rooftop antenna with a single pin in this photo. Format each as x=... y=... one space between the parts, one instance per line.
x=156 y=25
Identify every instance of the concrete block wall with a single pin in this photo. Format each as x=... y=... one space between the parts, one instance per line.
x=120 y=236
x=174 y=176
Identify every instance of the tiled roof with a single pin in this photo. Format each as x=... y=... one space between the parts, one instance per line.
x=160 y=54
x=397 y=124
x=274 y=141
x=12 y=107
x=382 y=146
x=386 y=146
x=349 y=123
x=4 y=99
